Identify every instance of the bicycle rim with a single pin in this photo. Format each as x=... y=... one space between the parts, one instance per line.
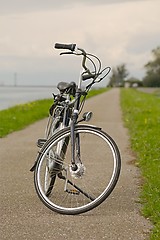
x=96 y=177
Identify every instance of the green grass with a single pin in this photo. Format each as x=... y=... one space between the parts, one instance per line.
x=141 y=114
x=20 y=116
x=157 y=92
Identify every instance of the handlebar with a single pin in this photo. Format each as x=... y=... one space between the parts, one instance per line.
x=87 y=74
x=72 y=47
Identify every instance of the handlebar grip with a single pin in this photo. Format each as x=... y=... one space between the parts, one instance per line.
x=65 y=46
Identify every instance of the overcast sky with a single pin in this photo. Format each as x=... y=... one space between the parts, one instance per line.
x=118 y=31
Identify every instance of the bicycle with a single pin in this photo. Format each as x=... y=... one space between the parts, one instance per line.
x=78 y=165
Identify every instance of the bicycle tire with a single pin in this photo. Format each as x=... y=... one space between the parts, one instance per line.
x=51 y=127
x=49 y=182
x=94 y=185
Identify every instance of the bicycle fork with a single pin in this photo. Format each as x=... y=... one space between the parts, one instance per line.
x=74 y=141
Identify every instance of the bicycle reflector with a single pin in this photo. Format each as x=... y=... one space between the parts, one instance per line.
x=87 y=116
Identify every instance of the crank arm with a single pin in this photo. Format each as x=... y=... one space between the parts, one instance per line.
x=76 y=187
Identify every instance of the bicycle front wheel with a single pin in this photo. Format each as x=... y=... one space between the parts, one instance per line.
x=98 y=160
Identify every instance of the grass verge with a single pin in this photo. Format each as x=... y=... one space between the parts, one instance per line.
x=141 y=114
x=20 y=116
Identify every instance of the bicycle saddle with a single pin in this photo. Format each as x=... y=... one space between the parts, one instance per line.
x=66 y=87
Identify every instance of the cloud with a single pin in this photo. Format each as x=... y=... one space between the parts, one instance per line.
x=22 y=6
x=125 y=31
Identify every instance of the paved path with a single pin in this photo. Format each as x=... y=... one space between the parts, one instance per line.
x=24 y=217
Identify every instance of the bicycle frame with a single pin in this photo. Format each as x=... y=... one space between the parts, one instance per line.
x=69 y=119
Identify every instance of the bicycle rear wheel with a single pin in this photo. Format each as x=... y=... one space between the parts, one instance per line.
x=99 y=164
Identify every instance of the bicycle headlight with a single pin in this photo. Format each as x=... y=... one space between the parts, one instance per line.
x=87 y=116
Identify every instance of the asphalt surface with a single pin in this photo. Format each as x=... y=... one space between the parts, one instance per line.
x=24 y=217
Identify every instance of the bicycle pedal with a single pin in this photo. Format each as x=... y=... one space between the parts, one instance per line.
x=73 y=191
x=41 y=142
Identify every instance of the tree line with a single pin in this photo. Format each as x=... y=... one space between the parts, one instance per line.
x=120 y=74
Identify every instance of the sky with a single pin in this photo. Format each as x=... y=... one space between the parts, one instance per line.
x=117 y=31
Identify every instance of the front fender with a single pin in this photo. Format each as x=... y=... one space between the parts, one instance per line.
x=85 y=125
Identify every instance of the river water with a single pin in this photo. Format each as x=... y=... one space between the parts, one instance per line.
x=10 y=96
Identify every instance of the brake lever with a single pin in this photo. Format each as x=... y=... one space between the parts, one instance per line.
x=108 y=69
x=62 y=53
